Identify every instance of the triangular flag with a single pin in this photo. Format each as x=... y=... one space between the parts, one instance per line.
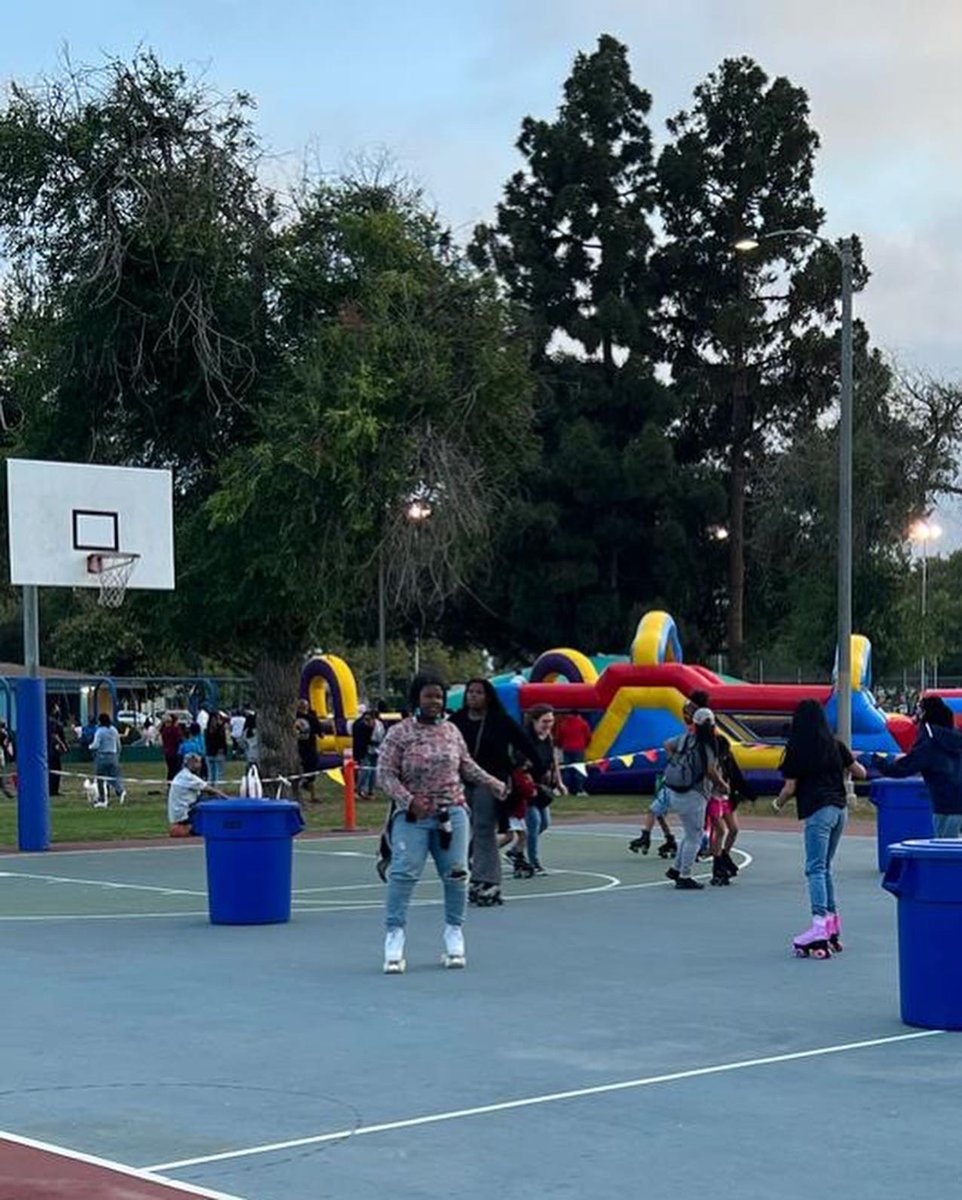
x=336 y=774
x=627 y=759
x=580 y=767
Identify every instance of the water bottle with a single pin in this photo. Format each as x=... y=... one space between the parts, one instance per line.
x=445 y=827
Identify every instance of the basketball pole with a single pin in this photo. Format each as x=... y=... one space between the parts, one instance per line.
x=33 y=800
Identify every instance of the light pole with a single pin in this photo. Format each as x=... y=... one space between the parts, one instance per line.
x=924 y=532
x=843 y=252
x=418 y=511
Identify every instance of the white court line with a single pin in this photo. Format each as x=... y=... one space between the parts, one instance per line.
x=101 y=883
x=189 y=1189
x=549 y=1098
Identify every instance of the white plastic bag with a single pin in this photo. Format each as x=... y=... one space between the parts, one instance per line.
x=251 y=787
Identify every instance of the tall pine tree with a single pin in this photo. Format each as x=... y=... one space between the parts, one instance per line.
x=572 y=244
x=746 y=338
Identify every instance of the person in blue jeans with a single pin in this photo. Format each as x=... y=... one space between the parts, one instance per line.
x=815 y=767
x=937 y=757
x=422 y=768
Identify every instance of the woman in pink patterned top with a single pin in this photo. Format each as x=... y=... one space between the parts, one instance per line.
x=422 y=768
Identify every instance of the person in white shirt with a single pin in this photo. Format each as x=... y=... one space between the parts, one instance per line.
x=186 y=789
x=105 y=748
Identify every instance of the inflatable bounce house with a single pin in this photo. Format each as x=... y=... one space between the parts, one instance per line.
x=635 y=704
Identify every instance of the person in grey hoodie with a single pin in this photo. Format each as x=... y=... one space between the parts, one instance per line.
x=937 y=757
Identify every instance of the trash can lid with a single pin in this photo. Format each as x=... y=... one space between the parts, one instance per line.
x=247 y=806
x=930 y=848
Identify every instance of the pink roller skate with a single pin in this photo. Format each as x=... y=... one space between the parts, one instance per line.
x=834 y=925
x=813 y=943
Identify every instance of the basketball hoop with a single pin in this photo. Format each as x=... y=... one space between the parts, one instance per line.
x=113 y=571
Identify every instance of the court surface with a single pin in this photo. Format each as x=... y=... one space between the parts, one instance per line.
x=609 y=1036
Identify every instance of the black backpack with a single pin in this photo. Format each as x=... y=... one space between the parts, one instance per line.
x=688 y=766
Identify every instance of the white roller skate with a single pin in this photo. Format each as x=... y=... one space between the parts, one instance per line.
x=813 y=943
x=394 y=963
x=453 y=956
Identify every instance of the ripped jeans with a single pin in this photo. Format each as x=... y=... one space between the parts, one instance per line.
x=411 y=841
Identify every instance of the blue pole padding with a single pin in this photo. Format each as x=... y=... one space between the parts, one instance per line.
x=33 y=801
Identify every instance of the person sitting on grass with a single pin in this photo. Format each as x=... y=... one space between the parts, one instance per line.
x=186 y=789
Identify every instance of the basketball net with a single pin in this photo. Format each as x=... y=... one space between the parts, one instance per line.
x=113 y=571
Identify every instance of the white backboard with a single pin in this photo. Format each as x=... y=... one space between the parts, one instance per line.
x=59 y=513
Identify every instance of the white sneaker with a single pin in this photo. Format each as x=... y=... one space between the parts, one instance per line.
x=394 y=963
x=122 y=798
x=453 y=955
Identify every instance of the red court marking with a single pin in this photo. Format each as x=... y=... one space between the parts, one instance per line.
x=31 y=1170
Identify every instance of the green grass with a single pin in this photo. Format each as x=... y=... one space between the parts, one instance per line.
x=145 y=813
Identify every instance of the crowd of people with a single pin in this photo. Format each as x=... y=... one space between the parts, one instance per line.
x=465 y=788
x=474 y=791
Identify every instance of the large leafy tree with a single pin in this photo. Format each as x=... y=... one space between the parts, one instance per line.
x=751 y=354
x=572 y=243
x=137 y=238
x=404 y=394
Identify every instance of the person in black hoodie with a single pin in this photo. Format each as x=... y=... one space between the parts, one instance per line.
x=937 y=757
x=492 y=737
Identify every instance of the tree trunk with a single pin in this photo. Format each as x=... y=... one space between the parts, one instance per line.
x=276 y=684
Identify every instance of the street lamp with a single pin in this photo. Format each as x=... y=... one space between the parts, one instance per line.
x=418 y=510
x=924 y=532
x=843 y=252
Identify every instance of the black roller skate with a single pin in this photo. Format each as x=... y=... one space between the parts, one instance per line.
x=719 y=876
x=668 y=848
x=522 y=868
x=488 y=895
x=729 y=864
x=642 y=842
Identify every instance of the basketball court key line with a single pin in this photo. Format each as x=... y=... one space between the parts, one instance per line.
x=548 y=1098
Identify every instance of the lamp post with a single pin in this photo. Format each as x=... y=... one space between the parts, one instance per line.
x=924 y=532
x=843 y=252
x=417 y=511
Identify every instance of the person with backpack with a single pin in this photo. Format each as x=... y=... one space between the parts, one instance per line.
x=690 y=776
x=658 y=808
x=814 y=768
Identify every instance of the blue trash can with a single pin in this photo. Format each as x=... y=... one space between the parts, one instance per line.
x=926 y=876
x=250 y=846
x=904 y=810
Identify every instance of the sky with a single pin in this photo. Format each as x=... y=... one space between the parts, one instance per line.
x=443 y=86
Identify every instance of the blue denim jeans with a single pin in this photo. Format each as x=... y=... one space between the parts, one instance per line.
x=823 y=829
x=367 y=775
x=107 y=770
x=536 y=821
x=215 y=768
x=411 y=842
x=948 y=825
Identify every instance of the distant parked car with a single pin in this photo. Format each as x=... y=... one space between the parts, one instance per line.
x=183 y=716
x=130 y=717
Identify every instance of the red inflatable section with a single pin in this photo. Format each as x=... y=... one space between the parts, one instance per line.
x=726 y=697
